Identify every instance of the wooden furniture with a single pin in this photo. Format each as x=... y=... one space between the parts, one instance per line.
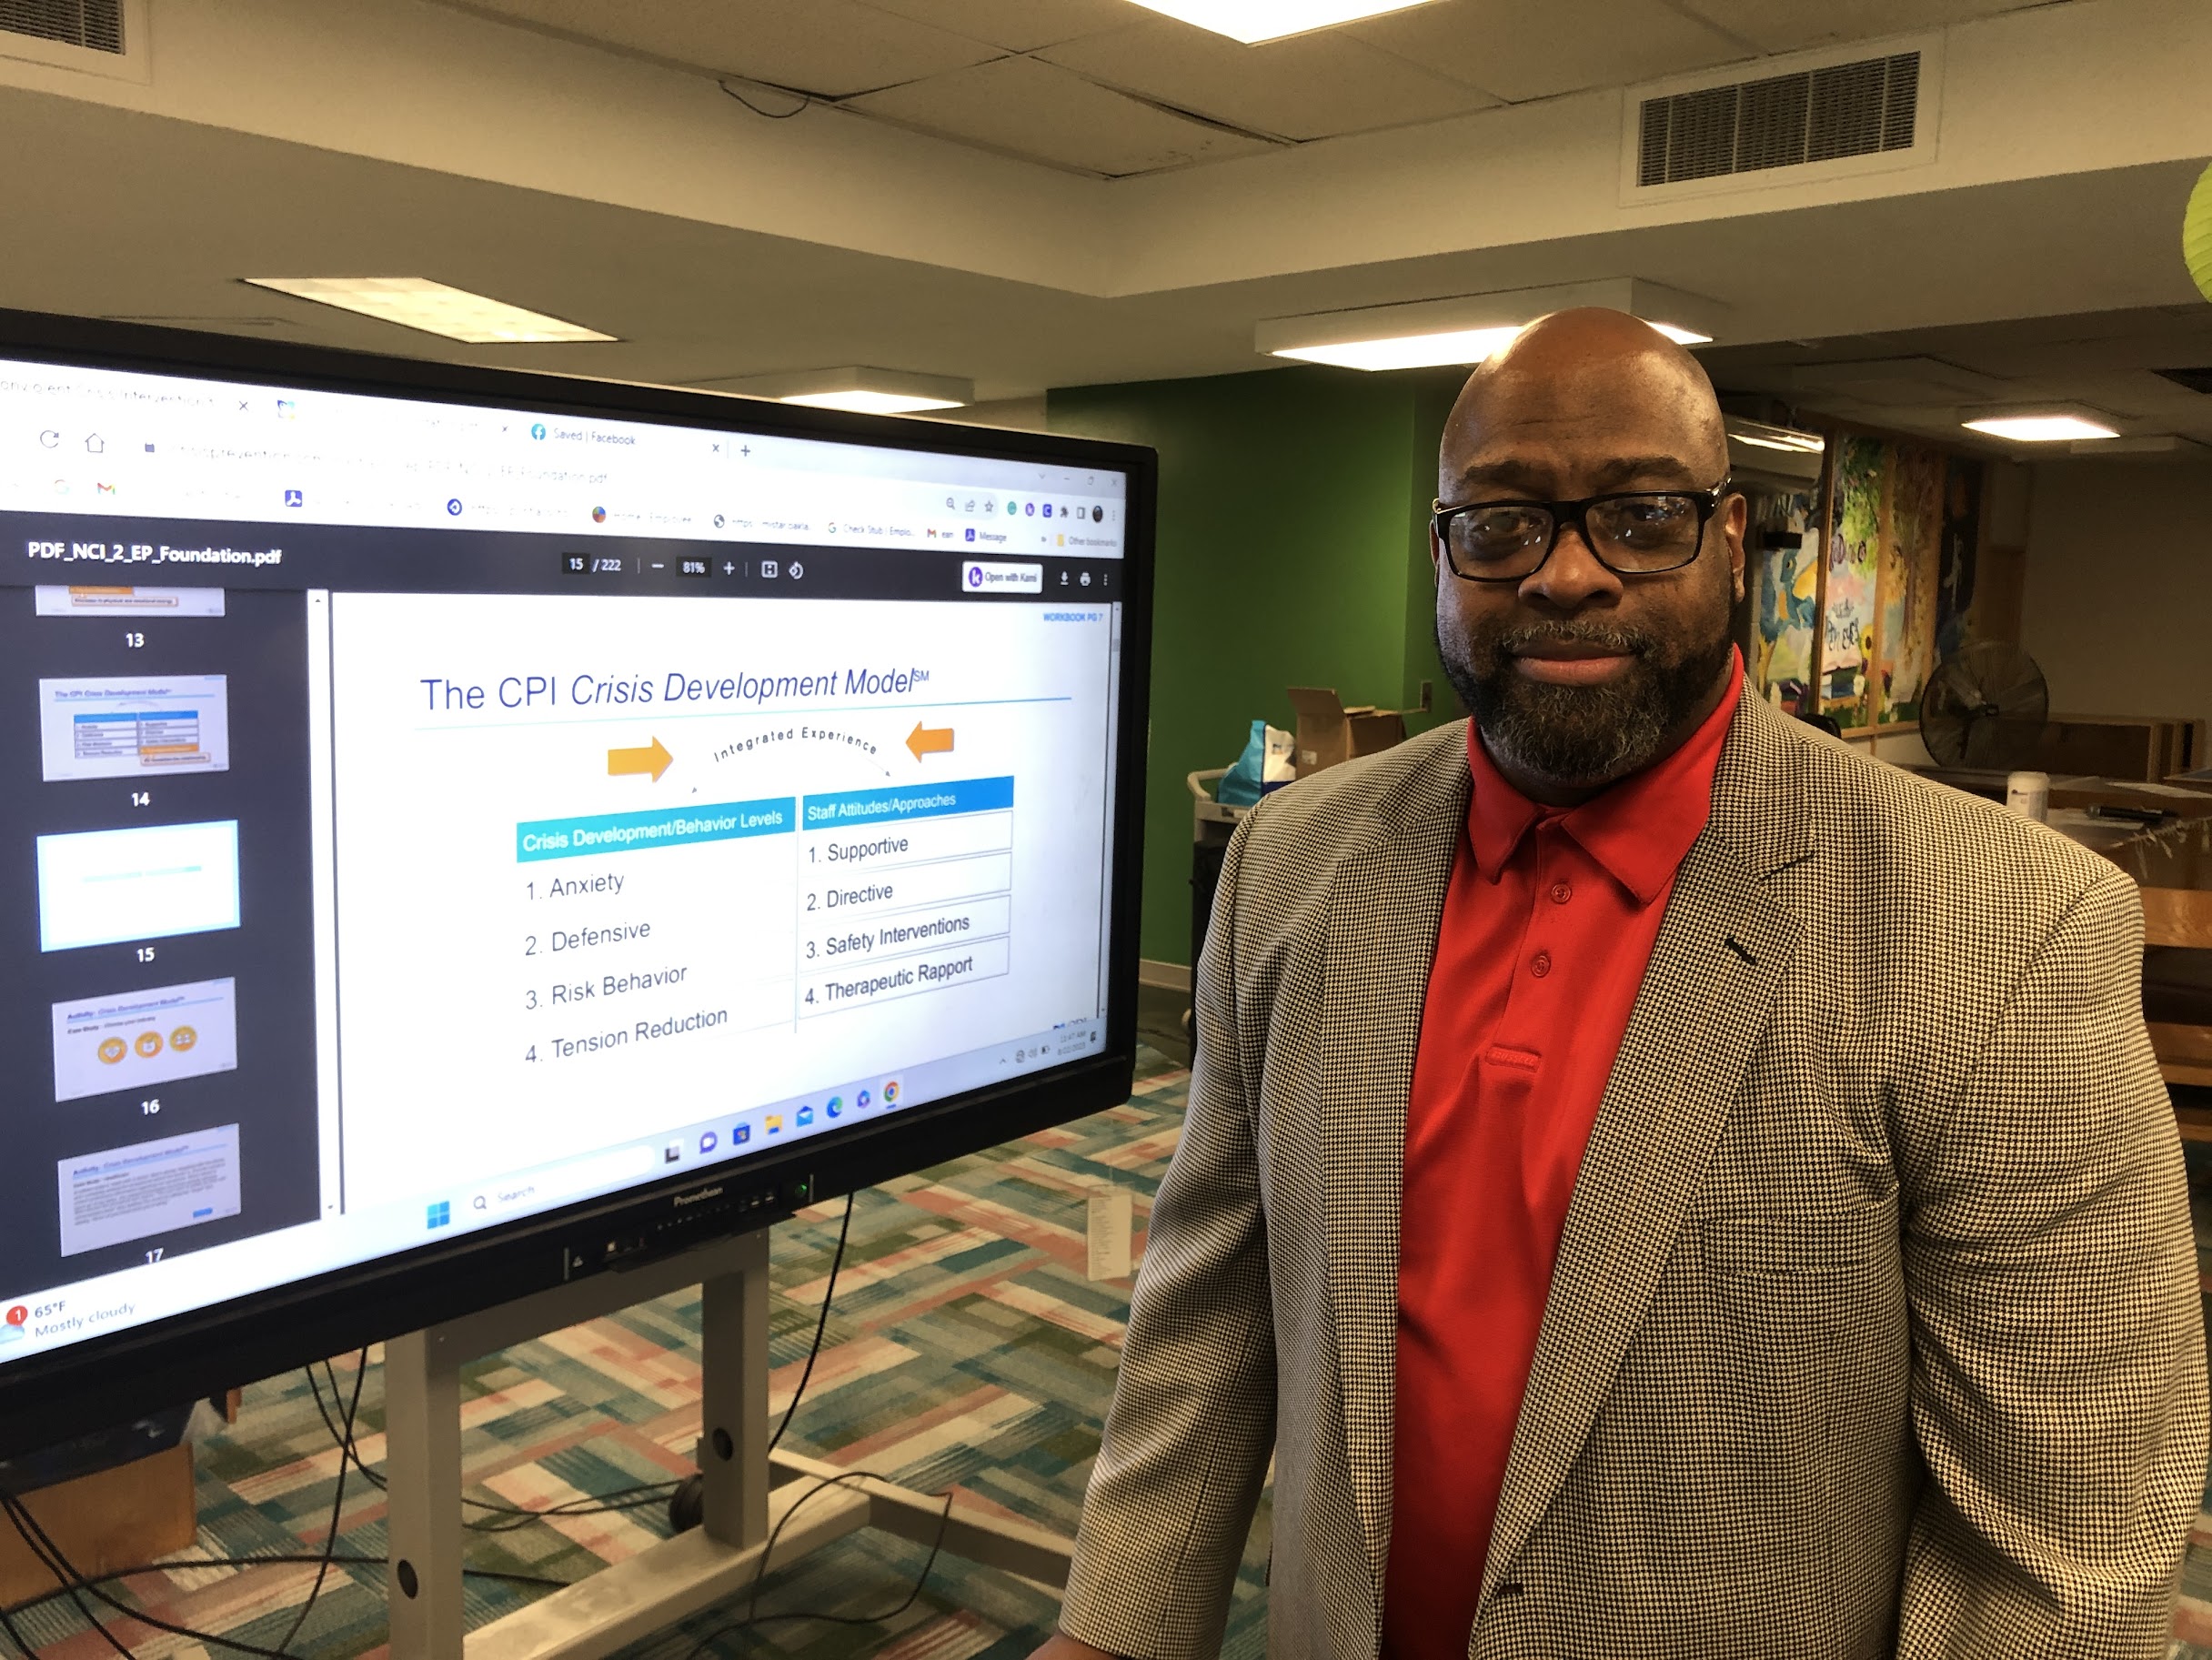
x=2184 y=798
x=2174 y=868
x=2145 y=747
x=110 y=1519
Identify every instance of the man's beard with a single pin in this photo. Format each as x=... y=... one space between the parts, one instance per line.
x=1580 y=737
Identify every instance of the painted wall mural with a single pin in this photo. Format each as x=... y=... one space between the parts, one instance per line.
x=1851 y=602
x=1962 y=534
x=1911 y=544
x=1861 y=587
x=1784 y=535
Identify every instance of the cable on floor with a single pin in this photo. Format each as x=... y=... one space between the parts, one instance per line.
x=77 y=1586
x=822 y=1324
x=753 y=1617
x=603 y=1504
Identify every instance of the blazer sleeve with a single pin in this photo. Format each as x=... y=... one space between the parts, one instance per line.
x=2058 y=1389
x=1193 y=1423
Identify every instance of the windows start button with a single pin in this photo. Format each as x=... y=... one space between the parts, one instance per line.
x=1001 y=577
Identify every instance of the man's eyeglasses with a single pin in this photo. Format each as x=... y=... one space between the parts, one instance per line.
x=1632 y=533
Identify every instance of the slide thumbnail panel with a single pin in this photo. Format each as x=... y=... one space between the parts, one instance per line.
x=135 y=1040
x=154 y=1187
x=133 y=726
x=153 y=882
x=54 y=601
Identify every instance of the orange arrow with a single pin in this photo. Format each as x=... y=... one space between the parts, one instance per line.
x=654 y=759
x=929 y=741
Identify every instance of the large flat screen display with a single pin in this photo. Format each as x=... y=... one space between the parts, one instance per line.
x=451 y=817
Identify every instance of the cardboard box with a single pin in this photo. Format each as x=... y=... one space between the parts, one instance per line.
x=110 y=1519
x=1329 y=732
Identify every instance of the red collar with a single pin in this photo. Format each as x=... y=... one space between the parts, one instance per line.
x=1639 y=829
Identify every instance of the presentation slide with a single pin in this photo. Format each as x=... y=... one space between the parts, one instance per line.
x=611 y=866
x=128 y=601
x=132 y=726
x=155 y=1187
x=136 y=1038
x=104 y=887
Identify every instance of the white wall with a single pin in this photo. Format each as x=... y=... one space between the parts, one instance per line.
x=2118 y=605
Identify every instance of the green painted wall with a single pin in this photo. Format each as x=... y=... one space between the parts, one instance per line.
x=1293 y=551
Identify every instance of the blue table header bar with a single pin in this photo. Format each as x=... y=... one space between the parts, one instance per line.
x=667 y=827
x=902 y=801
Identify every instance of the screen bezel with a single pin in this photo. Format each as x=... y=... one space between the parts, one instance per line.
x=99 y=1381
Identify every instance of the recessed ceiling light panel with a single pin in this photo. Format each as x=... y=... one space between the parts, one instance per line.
x=1406 y=351
x=870 y=403
x=2041 y=428
x=1425 y=333
x=1253 y=21
x=434 y=308
x=1759 y=435
x=869 y=391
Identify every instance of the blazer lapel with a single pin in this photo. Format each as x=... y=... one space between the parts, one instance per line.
x=1384 y=909
x=1706 y=998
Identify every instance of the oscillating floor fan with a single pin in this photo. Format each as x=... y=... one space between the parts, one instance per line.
x=1985 y=707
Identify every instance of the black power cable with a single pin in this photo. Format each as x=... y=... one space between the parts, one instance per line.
x=338 y=1501
x=605 y=1504
x=753 y=1617
x=805 y=100
x=179 y=1564
x=822 y=1324
x=77 y=1586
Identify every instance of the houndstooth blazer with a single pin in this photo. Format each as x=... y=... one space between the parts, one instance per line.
x=1875 y=1327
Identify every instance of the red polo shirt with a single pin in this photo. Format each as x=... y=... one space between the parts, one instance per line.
x=1547 y=930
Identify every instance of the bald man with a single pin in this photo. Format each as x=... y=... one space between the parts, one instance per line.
x=1658 y=1182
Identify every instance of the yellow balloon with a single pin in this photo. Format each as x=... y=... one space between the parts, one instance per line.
x=2197 y=234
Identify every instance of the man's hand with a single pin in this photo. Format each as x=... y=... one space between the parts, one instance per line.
x=1060 y=1646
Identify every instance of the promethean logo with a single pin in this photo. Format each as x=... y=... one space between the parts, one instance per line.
x=699 y=1198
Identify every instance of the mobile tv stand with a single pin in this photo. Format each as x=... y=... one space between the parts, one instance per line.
x=747 y=1492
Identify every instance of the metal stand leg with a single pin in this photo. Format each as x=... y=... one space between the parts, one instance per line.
x=733 y=1405
x=422 y=1411
x=679 y=1576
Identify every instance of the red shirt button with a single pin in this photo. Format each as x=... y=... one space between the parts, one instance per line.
x=1541 y=964
x=1562 y=892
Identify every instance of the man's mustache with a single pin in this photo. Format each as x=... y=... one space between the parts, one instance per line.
x=1631 y=641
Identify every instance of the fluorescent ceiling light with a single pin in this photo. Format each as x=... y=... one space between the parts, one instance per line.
x=870 y=403
x=1468 y=328
x=2040 y=428
x=868 y=392
x=416 y=302
x=1253 y=21
x=1759 y=436
x=1406 y=351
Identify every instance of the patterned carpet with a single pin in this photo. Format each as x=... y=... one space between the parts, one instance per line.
x=965 y=1350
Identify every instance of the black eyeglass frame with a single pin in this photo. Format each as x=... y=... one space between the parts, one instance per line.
x=1565 y=513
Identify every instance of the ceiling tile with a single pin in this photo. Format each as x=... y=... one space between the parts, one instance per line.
x=1516 y=52
x=1036 y=110
x=1016 y=25
x=1902 y=382
x=833 y=47
x=1785 y=26
x=1309 y=86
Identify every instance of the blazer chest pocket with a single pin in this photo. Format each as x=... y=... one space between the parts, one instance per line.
x=1859 y=1241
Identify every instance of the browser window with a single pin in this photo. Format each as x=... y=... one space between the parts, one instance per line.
x=437 y=814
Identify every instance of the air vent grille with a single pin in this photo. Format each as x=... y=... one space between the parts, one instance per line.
x=1782 y=121
x=95 y=24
